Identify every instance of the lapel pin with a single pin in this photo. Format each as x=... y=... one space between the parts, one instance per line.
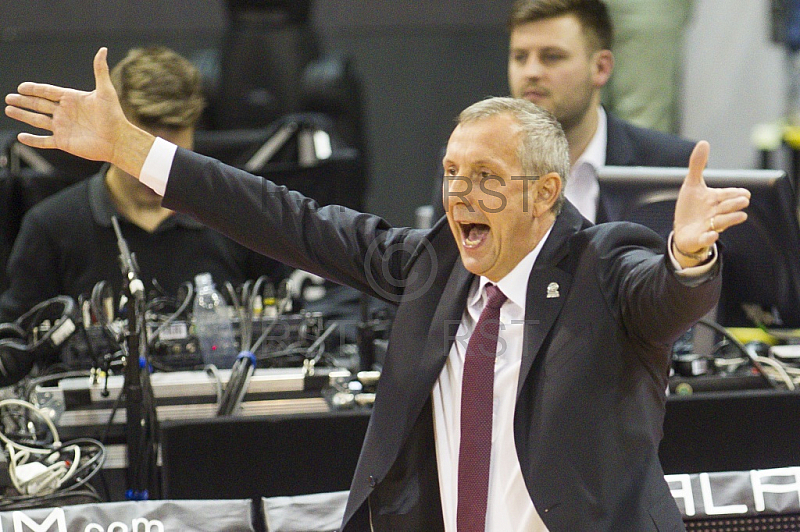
x=552 y=291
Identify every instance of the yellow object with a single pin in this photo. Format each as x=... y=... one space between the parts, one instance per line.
x=752 y=334
x=791 y=135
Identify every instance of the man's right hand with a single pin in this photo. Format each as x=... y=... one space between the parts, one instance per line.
x=91 y=125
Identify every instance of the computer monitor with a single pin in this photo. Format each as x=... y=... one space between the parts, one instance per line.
x=761 y=257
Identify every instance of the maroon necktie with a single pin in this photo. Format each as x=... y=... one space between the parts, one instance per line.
x=477 y=416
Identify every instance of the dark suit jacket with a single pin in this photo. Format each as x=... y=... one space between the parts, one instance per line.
x=591 y=396
x=630 y=145
x=627 y=145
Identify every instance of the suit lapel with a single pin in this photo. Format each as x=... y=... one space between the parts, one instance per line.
x=542 y=309
x=619 y=150
x=548 y=287
x=442 y=333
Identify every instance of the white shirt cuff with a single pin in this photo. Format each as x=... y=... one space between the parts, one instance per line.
x=694 y=271
x=155 y=171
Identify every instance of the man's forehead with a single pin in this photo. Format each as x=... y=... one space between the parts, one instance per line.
x=485 y=143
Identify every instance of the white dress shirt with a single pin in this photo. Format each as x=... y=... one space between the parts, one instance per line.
x=156 y=167
x=582 y=188
x=509 y=506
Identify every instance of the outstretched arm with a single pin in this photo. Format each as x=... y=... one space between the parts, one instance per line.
x=91 y=125
x=702 y=213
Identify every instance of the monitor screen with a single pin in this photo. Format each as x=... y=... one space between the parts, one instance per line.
x=761 y=257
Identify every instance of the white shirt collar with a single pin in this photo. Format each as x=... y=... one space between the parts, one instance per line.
x=582 y=188
x=515 y=284
x=595 y=152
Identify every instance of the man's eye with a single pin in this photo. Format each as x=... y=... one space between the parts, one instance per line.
x=519 y=57
x=551 y=58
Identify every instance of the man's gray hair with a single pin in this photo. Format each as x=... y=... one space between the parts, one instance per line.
x=543 y=147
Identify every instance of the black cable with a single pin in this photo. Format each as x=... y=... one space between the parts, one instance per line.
x=181 y=366
x=246 y=316
x=264 y=334
x=319 y=343
x=241 y=372
x=104 y=483
x=28 y=502
x=100 y=291
x=246 y=362
x=97 y=460
x=108 y=360
x=291 y=350
x=85 y=333
x=110 y=422
x=740 y=346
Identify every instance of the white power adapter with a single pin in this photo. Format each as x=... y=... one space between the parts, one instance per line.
x=39 y=479
x=27 y=472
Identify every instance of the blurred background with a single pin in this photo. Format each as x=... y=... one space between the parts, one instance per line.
x=352 y=101
x=417 y=64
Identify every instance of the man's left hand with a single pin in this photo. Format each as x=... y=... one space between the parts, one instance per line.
x=702 y=213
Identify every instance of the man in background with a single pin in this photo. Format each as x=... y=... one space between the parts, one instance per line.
x=67 y=243
x=560 y=58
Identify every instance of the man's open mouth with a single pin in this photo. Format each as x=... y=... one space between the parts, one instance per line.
x=473 y=234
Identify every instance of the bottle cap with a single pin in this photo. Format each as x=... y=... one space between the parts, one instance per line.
x=203 y=279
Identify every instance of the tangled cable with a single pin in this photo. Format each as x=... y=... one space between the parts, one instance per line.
x=771 y=370
x=42 y=468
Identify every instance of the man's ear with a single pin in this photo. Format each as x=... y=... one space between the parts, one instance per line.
x=603 y=65
x=546 y=193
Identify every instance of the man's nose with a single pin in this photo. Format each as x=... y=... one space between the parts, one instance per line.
x=457 y=189
x=532 y=68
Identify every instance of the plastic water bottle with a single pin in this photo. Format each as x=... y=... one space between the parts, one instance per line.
x=212 y=324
